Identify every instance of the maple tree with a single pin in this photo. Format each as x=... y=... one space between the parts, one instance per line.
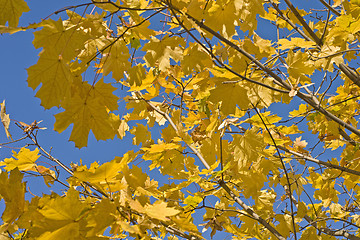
x=207 y=90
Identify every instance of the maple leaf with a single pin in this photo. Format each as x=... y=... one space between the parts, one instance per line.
x=159 y=210
x=11 y=10
x=295 y=42
x=159 y=52
x=12 y=190
x=195 y=59
x=222 y=16
x=115 y=59
x=64 y=39
x=142 y=135
x=235 y=96
x=299 y=66
x=123 y=127
x=105 y=173
x=24 y=160
x=104 y=210
x=68 y=207
x=88 y=112
x=54 y=74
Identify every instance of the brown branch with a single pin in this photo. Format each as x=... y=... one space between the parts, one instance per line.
x=179 y=233
x=353 y=75
x=330 y=8
x=14 y=141
x=323 y=163
x=303 y=23
x=347 y=137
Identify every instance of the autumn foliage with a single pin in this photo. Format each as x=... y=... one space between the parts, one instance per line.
x=206 y=87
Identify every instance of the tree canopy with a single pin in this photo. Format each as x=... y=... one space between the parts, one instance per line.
x=243 y=116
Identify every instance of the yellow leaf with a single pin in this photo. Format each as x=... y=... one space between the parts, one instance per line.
x=192 y=201
x=299 y=66
x=328 y=56
x=142 y=135
x=47 y=174
x=63 y=232
x=301 y=210
x=146 y=82
x=337 y=3
x=106 y=173
x=123 y=127
x=135 y=177
x=104 y=92
x=125 y=226
x=158 y=53
x=68 y=207
x=223 y=16
x=136 y=75
x=116 y=59
x=160 y=211
x=54 y=74
x=24 y=160
x=295 y=42
x=60 y=37
x=195 y=59
x=230 y=96
x=297 y=113
x=161 y=147
x=104 y=210
x=5 y=119
x=266 y=117
x=111 y=7
x=12 y=190
x=337 y=210
x=11 y=10
x=136 y=205
x=87 y=110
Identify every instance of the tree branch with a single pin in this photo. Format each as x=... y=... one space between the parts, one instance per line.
x=314 y=160
x=303 y=23
x=330 y=8
x=352 y=75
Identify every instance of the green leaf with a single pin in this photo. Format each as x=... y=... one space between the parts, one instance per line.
x=135 y=42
